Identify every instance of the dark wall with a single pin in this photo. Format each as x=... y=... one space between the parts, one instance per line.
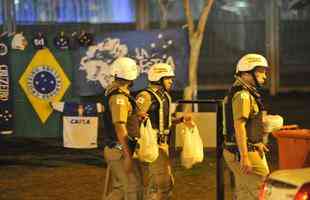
x=224 y=43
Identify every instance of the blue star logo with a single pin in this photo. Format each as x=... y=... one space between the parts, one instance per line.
x=44 y=82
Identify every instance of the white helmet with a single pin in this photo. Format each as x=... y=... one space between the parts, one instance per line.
x=125 y=68
x=250 y=61
x=158 y=71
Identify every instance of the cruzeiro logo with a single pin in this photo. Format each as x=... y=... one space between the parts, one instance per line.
x=44 y=82
x=3 y=49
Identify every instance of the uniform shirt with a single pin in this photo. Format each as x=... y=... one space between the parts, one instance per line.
x=144 y=101
x=120 y=108
x=147 y=103
x=244 y=105
x=119 y=104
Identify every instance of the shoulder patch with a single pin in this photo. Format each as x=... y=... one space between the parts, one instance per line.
x=140 y=100
x=244 y=95
x=145 y=95
x=120 y=101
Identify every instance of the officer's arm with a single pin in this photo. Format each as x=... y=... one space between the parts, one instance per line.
x=241 y=106
x=177 y=120
x=122 y=136
x=144 y=101
x=119 y=111
x=241 y=137
x=186 y=118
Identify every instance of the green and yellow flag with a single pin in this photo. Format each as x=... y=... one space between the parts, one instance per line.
x=44 y=81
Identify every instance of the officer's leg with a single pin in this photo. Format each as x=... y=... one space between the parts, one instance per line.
x=125 y=186
x=234 y=166
x=135 y=183
x=161 y=180
x=259 y=164
x=114 y=158
x=247 y=185
x=251 y=183
x=241 y=190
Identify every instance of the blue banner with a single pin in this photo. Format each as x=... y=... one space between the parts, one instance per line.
x=6 y=101
x=92 y=70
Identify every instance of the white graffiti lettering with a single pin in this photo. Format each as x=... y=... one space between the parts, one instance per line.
x=80 y=121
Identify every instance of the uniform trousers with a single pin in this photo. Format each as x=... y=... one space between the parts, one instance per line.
x=124 y=186
x=247 y=185
x=158 y=176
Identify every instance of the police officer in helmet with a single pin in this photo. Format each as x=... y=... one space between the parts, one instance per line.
x=244 y=150
x=118 y=151
x=155 y=100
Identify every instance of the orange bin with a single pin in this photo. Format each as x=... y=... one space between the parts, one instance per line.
x=294 y=148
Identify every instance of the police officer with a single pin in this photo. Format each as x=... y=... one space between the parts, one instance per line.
x=244 y=113
x=156 y=101
x=119 y=146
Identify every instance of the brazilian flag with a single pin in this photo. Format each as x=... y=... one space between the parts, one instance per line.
x=44 y=81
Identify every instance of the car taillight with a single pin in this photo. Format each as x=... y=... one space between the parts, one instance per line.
x=263 y=191
x=303 y=193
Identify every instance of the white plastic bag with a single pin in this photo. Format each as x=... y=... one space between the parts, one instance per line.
x=272 y=123
x=192 y=151
x=147 y=150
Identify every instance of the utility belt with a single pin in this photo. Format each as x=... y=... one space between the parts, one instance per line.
x=115 y=144
x=163 y=138
x=233 y=148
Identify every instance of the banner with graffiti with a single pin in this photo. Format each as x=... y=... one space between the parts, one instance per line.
x=92 y=68
x=6 y=101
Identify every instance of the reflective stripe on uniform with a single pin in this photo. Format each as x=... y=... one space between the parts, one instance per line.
x=161 y=110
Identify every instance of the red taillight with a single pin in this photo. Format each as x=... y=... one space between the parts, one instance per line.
x=303 y=193
x=263 y=191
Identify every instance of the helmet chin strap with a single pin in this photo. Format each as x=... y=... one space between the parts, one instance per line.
x=162 y=84
x=257 y=85
x=158 y=83
x=130 y=84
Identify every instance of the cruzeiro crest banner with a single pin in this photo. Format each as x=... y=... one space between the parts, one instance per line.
x=44 y=81
x=92 y=72
x=6 y=101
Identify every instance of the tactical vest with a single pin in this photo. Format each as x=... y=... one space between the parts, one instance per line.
x=254 y=125
x=110 y=136
x=159 y=111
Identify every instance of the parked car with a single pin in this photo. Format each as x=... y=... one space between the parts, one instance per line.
x=291 y=184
